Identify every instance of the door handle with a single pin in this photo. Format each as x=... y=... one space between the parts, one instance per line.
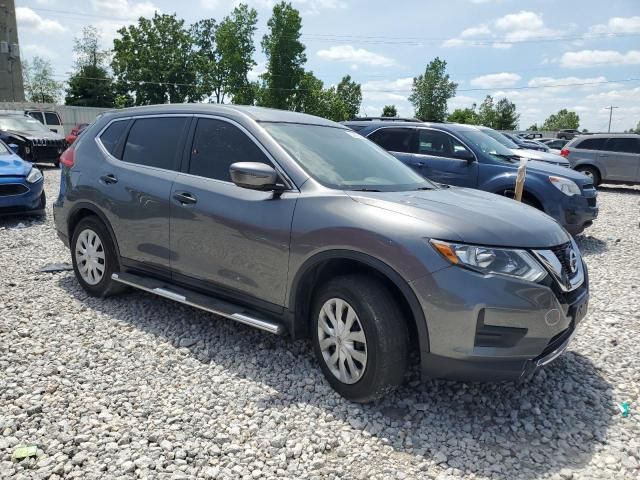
x=604 y=155
x=419 y=164
x=185 y=198
x=109 y=178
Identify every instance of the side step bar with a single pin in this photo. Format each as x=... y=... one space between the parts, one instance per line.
x=203 y=302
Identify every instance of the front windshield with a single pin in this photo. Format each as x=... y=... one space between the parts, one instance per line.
x=499 y=137
x=342 y=159
x=488 y=145
x=23 y=124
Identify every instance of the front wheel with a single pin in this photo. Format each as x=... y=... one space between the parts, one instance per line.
x=590 y=172
x=359 y=337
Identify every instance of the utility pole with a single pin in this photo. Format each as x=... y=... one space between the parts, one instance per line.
x=11 y=86
x=610 y=115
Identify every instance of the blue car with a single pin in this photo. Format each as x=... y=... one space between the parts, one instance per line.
x=21 y=185
x=464 y=156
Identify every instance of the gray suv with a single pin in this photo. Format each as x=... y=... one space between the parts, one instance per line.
x=299 y=226
x=606 y=157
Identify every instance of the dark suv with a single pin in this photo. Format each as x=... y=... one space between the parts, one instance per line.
x=297 y=225
x=465 y=156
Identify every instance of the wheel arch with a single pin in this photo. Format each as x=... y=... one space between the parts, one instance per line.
x=83 y=210
x=329 y=264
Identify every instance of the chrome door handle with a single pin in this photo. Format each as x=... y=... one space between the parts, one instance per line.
x=109 y=179
x=185 y=198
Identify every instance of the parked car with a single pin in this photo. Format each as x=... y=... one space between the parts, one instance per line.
x=21 y=184
x=528 y=144
x=554 y=143
x=35 y=143
x=521 y=151
x=530 y=135
x=465 y=156
x=49 y=118
x=75 y=131
x=606 y=157
x=297 y=225
x=568 y=133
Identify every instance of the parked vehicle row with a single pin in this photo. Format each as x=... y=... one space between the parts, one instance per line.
x=299 y=226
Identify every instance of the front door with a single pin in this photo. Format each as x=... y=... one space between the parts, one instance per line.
x=226 y=238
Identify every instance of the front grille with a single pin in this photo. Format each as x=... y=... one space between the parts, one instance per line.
x=561 y=254
x=8 y=189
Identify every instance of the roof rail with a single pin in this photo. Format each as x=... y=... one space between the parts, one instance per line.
x=387 y=119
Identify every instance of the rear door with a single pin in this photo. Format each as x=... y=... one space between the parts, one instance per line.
x=225 y=238
x=135 y=180
x=439 y=156
x=621 y=158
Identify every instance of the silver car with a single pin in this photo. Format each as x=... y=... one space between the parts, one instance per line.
x=606 y=157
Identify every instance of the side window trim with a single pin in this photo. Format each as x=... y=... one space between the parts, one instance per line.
x=120 y=146
x=188 y=148
x=452 y=136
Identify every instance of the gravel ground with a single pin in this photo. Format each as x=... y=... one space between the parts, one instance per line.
x=139 y=387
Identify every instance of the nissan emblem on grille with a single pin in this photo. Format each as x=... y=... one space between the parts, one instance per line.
x=573 y=260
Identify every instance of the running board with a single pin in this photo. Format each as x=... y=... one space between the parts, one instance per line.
x=198 y=300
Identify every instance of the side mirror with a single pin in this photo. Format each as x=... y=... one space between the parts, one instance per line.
x=465 y=155
x=254 y=176
x=14 y=148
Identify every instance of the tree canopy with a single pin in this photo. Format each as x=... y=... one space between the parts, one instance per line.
x=464 y=115
x=389 y=111
x=561 y=120
x=431 y=91
x=39 y=82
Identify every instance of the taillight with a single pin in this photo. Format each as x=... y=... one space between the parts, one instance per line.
x=68 y=157
x=564 y=152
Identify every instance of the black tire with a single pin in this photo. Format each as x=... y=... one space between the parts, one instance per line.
x=43 y=204
x=385 y=332
x=590 y=172
x=105 y=287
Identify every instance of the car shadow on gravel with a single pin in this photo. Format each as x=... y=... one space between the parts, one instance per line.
x=591 y=245
x=552 y=421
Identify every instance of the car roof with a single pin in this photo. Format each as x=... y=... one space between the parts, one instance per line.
x=374 y=125
x=259 y=114
x=607 y=135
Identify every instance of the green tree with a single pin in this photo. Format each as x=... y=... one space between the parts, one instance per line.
x=431 y=91
x=563 y=119
x=90 y=85
x=464 y=115
x=285 y=57
x=506 y=117
x=350 y=94
x=39 y=83
x=389 y=111
x=314 y=99
x=486 y=112
x=209 y=74
x=533 y=128
x=154 y=61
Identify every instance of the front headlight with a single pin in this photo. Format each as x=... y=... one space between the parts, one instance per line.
x=34 y=176
x=490 y=260
x=566 y=186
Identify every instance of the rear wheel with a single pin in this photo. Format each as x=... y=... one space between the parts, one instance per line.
x=359 y=337
x=94 y=258
x=590 y=172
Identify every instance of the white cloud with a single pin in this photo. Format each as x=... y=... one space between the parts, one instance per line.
x=347 y=53
x=496 y=80
x=308 y=7
x=30 y=20
x=594 y=58
x=33 y=50
x=548 y=81
x=125 y=8
x=618 y=25
x=504 y=31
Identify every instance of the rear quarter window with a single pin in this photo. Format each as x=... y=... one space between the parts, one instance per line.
x=591 y=144
x=111 y=137
x=623 y=145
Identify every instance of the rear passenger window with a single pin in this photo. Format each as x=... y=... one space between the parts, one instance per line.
x=216 y=145
x=592 y=144
x=110 y=138
x=395 y=139
x=51 y=118
x=622 y=145
x=154 y=142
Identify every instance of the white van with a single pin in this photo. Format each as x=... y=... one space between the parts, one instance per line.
x=49 y=119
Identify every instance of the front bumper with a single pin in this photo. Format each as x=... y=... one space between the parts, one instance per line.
x=576 y=212
x=17 y=196
x=493 y=328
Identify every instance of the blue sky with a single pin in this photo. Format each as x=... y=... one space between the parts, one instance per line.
x=492 y=47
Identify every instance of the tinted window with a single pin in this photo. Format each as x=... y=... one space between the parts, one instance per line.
x=216 y=145
x=592 y=144
x=154 y=142
x=439 y=144
x=51 y=118
x=37 y=116
x=623 y=145
x=394 y=139
x=112 y=135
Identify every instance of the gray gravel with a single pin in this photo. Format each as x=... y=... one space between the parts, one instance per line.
x=139 y=387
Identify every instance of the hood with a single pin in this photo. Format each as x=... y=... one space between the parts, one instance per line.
x=472 y=216
x=542 y=156
x=35 y=135
x=551 y=169
x=13 y=166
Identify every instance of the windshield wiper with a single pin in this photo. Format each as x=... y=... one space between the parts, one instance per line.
x=364 y=189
